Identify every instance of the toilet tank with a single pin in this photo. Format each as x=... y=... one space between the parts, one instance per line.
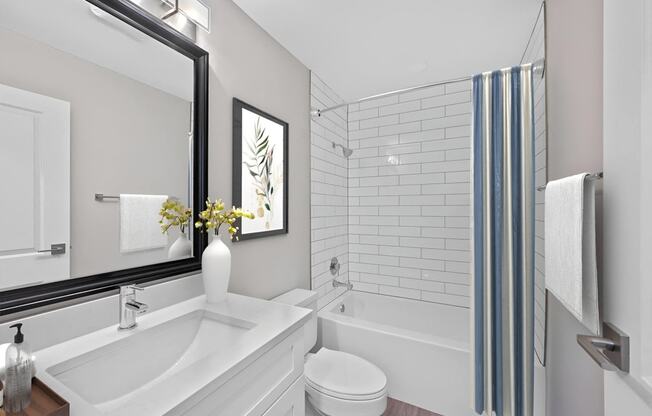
x=304 y=299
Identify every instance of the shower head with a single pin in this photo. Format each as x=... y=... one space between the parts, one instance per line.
x=345 y=150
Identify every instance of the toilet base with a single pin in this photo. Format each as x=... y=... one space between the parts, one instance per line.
x=310 y=411
x=325 y=405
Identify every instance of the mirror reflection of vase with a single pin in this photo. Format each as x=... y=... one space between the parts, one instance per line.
x=180 y=248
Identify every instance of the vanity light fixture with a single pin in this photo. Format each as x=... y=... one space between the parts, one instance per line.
x=193 y=10
x=175 y=10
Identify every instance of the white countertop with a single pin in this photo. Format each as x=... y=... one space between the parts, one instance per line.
x=273 y=322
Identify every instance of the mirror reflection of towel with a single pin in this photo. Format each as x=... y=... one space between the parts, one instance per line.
x=139 y=226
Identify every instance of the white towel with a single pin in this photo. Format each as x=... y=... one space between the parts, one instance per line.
x=571 y=265
x=139 y=226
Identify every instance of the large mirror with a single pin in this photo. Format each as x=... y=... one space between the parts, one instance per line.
x=99 y=130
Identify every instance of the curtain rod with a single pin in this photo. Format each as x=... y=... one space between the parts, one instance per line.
x=537 y=66
x=318 y=112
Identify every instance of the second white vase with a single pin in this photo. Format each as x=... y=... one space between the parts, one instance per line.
x=216 y=270
x=181 y=248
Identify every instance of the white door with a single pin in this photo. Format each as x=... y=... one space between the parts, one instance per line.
x=627 y=276
x=35 y=188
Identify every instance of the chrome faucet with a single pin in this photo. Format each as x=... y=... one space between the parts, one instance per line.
x=130 y=307
x=335 y=271
x=337 y=283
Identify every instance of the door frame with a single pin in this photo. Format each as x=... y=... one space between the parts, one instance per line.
x=627 y=115
x=54 y=116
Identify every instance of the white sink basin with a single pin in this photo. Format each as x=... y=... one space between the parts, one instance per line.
x=170 y=360
x=152 y=356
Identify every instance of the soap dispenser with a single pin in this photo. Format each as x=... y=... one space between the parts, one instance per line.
x=18 y=376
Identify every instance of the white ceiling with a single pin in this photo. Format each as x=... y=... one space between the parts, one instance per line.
x=366 y=47
x=71 y=26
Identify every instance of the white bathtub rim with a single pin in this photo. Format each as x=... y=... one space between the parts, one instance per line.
x=325 y=313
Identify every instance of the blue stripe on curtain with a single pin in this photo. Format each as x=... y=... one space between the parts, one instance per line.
x=497 y=238
x=478 y=242
x=529 y=184
x=503 y=132
x=517 y=220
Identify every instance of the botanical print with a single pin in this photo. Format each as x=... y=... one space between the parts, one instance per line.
x=262 y=173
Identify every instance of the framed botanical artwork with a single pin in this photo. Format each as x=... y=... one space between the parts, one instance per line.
x=260 y=171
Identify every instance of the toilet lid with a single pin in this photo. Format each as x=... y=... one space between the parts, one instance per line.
x=344 y=375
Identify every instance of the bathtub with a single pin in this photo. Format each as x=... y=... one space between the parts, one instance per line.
x=422 y=347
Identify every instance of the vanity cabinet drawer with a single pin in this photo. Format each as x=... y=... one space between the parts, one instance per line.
x=292 y=402
x=253 y=390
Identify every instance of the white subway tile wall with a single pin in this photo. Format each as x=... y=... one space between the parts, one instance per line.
x=329 y=171
x=409 y=195
x=536 y=50
x=406 y=192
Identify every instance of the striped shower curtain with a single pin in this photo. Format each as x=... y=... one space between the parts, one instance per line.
x=503 y=232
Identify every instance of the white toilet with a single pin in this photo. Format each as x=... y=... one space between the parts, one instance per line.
x=337 y=383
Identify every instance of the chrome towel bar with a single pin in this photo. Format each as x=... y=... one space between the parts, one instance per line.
x=102 y=197
x=591 y=177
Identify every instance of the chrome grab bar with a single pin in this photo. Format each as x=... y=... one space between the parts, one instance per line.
x=610 y=352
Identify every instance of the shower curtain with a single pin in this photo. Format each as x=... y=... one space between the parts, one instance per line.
x=503 y=231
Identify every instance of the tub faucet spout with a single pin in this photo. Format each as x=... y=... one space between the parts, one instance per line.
x=337 y=283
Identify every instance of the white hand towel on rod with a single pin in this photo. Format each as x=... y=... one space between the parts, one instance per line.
x=570 y=247
x=139 y=226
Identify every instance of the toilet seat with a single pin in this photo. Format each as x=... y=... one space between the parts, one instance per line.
x=344 y=376
x=342 y=384
x=339 y=383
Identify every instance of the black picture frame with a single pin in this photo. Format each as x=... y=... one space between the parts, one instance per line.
x=22 y=299
x=238 y=167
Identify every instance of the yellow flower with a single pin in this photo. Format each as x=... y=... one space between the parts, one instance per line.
x=174 y=214
x=214 y=216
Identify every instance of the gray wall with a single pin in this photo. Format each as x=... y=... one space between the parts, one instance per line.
x=574 y=94
x=245 y=62
x=117 y=124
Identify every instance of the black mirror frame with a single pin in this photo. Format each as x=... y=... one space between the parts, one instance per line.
x=17 y=300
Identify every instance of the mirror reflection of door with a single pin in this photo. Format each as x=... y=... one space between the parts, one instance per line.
x=34 y=201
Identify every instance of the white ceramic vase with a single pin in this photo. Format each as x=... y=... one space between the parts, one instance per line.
x=216 y=270
x=181 y=248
